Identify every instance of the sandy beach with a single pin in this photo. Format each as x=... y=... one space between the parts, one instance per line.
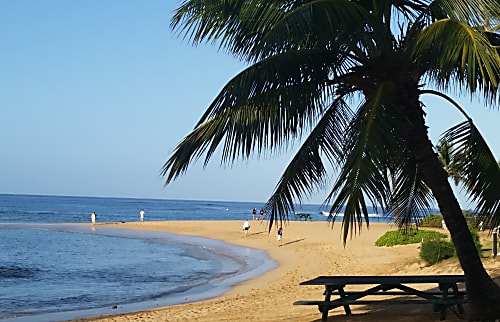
x=308 y=249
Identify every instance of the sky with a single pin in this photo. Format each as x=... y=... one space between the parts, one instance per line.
x=96 y=95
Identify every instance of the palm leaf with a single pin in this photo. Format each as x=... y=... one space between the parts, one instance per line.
x=474 y=13
x=454 y=51
x=306 y=171
x=411 y=196
x=478 y=168
x=369 y=150
x=263 y=107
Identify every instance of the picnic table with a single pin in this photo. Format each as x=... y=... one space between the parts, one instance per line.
x=445 y=296
x=305 y=216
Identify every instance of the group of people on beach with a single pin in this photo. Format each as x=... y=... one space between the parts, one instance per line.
x=246 y=225
x=93 y=216
x=262 y=214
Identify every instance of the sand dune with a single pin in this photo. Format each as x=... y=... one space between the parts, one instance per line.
x=309 y=249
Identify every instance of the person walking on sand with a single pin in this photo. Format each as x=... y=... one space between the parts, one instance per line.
x=92 y=217
x=246 y=227
x=280 y=235
x=141 y=213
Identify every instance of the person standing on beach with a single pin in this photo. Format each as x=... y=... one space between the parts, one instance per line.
x=246 y=227
x=261 y=215
x=141 y=213
x=92 y=217
x=280 y=235
x=254 y=213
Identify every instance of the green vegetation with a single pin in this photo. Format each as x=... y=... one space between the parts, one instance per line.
x=435 y=245
x=411 y=236
x=435 y=221
x=432 y=221
x=433 y=251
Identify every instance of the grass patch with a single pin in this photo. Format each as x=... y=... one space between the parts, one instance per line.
x=405 y=237
x=435 y=245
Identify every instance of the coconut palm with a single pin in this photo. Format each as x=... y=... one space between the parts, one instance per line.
x=345 y=78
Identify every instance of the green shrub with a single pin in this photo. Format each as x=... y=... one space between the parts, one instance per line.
x=404 y=237
x=433 y=251
x=432 y=221
x=435 y=245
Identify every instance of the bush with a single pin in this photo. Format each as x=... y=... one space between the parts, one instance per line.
x=432 y=221
x=435 y=246
x=404 y=237
x=433 y=251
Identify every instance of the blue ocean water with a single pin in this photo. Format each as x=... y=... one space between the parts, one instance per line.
x=51 y=270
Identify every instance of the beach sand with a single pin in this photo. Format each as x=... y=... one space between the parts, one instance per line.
x=308 y=249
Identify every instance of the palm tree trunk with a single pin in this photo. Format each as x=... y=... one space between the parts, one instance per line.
x=482 y=292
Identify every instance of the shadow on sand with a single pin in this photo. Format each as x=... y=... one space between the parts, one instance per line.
x=293 y=241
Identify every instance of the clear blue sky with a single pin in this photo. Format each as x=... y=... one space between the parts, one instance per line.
x=95 y=96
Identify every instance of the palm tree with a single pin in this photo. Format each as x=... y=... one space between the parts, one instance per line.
x=346 y=78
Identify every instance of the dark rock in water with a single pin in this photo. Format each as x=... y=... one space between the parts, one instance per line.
x=115 y=307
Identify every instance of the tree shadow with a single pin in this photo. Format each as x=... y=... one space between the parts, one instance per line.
x=293 y=242
x=258 y=233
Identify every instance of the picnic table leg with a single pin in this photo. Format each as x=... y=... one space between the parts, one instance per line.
x=324 y=309
x=457 y=295
x=342 y=294
x=444 y=307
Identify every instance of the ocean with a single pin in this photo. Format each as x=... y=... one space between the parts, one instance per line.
x=53 y=271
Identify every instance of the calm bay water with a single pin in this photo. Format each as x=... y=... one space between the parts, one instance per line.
x=52 y=271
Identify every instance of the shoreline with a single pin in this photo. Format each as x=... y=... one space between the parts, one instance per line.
x=309 y=249
x=234 y=263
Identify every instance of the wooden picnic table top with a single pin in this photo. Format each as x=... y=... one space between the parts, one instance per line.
x=386 y=279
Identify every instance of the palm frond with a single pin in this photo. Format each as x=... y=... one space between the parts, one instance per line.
x=200 y=20
x=295 y=81
x=373 y=142
x=264 y=107
x=474 y=13
x=254 y=30
x=478 y=168
x=206 y=136
x=411 y=196
x=455 y=52
x=312 y=24
x=306 y=171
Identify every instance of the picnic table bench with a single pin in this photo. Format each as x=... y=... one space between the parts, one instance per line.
x=304 y=216
x=445 y=296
